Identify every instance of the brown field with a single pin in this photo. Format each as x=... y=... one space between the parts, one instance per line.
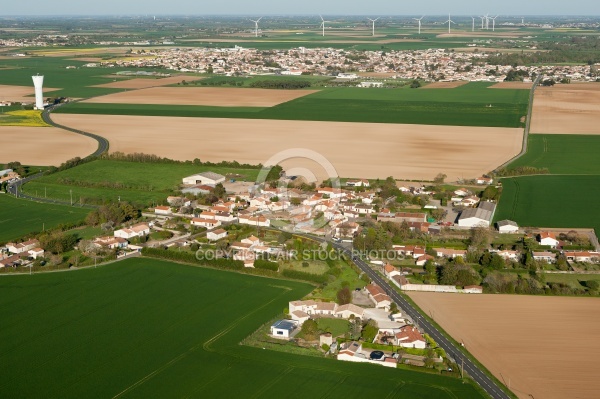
x=144 y=83
x=19 y=93
x=445 y=85
x=512 y=85
x=369 y=150
x=211 y=96
x=511 y=35
x=42 y=145
x=546 y=346
x=567 y=109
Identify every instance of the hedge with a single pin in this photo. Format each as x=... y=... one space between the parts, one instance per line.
x=266 y=264
x=315 y=278
x=228 y=264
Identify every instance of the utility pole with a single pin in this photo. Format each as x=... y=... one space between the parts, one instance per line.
x=71 y=192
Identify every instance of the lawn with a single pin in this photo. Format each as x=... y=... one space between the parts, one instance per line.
x=130 y=181
x=468 y=105
x=577 y=154
x=20 y=217
x=337 y=327
x=145 y=328
x=551 y=201
x=574 y=280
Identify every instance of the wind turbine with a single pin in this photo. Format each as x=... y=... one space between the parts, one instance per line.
x=473 y=28
x=256 y=26
x=487 y=21
x=482 y=18
x=522 y=20
x=323 y=24
x=449 y=22
x=493 y=23
x=373 y=21
x=419 y=21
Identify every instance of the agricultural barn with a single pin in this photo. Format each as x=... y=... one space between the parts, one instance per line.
x=208 y=178
x=507 y=227
x=283 y=328
x=478 y=217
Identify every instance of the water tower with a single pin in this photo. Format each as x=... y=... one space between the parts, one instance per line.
x=38 y=83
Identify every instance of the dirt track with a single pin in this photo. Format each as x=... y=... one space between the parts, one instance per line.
x=567 y=109
x=210 y=96
x=546 y=346
x=42 y=146
x=366 y=150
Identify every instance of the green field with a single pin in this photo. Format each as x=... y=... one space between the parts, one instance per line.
x=562 y=154
x=551 y=201
x=20 y=217
x=468 y=105
x=145 y=328
x=131 y=181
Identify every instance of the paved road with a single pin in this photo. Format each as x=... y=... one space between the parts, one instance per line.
x=461 y=360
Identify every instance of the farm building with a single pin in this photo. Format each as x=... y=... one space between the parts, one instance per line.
x=507 y=227
x=283 y=328
x=478 y=217
x=207 y=178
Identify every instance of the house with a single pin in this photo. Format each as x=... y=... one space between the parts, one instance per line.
x=507 y=227
x=478 y=217
x=206 y=178
x=254 y=220
x=163 y=210
x=110 y=242
x=421 y=260
x=470 y=201
x=546 y=256
x=409 y=250
x=11 y=261
x=390 y=271
x=325 y=339
x=345 y=311
x=485 y=180
x=178 y=201
x=36 y=253
x=299 y=316
x=473 y=289
x=22 y=247
x=331 y=192
x=547 y=238
x=346 y=229
x=216 y=235
x=378 y=296
x=283 y=328
x=204 y=222
x=450 y=253
x=247 y=257
x=138 y=230
x=410 y=337
x=252 y=240
x=358 y=183
x=351 y=352
x=586 y=256
x=461 y=192
x=509 y=255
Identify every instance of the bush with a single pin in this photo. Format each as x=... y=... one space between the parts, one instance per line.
x=266 y=265
x=281 y=84
x=297 y=275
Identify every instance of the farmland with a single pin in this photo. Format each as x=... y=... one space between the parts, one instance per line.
x=28 y=118
x=473 y=104
x=145 y=328
x=402 y=151
x=551 y=201
x=131 y=181
x=562 y=154
x=518 y=338
x=21 y=217
x=42 y=145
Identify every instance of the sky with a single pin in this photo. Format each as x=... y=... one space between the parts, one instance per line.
x=300 y=7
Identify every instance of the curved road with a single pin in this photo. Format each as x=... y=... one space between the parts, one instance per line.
x=461 y=360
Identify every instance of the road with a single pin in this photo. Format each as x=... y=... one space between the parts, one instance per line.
x=461 y=360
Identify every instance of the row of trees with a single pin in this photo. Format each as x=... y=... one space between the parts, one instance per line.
x=283 y=84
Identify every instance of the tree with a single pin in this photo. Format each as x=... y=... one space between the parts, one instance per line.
x=439 y=179
x=344 y=296
x=369 y=331
x=415 y=84
x=219 y=191
x=310 y=330
x=592 y=285
x=480 y=237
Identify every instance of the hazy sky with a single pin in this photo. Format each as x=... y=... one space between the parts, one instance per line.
x=287 y=7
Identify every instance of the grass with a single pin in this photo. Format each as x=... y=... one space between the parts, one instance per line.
x=337 y=327
x=564 y=154
x=131 y=181
x=146 y=328
x=21 y=217
x=28 y=118
x=467 y=105
x=314 y=266
x=574 y=280
x=551 y=201
x=329 y=292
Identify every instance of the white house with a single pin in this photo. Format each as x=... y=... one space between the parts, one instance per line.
x=138 y=230
x=111 y=242
x=485 y=180
x=299 y=316
x=507 y=227
x=36 y=253
x=347 y=229
x=216 y=235
x=544 y=256
x=548 y=239
x=345 y=311
x=283 y=328
x=473 y=289
x=450 y=253
x=22 y=247
x=390 y=271
x=163 y=210
x=358 y=183
x=378 y=296
x=207 y=178
x=207 y=223
x=254 y=220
